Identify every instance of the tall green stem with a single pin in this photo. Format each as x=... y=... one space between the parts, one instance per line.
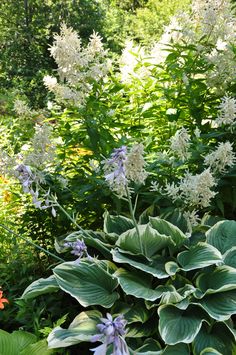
x=134 y=219
x=32 y=243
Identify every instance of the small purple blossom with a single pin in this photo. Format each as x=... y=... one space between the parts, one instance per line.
x=78 y=248
x=111 y=332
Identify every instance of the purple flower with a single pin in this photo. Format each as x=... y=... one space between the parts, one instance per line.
x=78 y=248
x=111 y=332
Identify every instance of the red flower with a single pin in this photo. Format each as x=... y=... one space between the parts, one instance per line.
x=2 y=300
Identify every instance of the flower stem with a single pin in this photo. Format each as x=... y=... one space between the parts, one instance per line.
x=32 y=243
x=134 y=219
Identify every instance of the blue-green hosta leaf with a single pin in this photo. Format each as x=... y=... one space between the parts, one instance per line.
x=137 y=284
x=223 y=278
x=156 y=267
x=166 y=228
x=180 y=326
x=176 y=296
x=171 y=268
x=88 y=282
x=152 y=241
x=116 y=224
x=217 y=337
x=199 y=256
x=150 y=347
x=83 y=327
x=178 y=349
x=220 y=306
x=230 y=257
x=222 y=235
x=40 y=287
x=210 y=351
x=137 y=330
x=137 y=313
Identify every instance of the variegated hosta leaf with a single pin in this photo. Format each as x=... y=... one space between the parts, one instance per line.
x=199 y=256
x=217 y=337
x=152 y=241
x=222 y=235
x=117 y=224
x=230 y=257
x=137 y=330
x=210 y=351
x=137 y=284
x=223 y=278
x=40 y=287
x=88 y=282
x=168 y=229
x=178 y=349
x=83 y=327
x=220 y=306
x=156 y=267
x=150 y=347
x=180 y=326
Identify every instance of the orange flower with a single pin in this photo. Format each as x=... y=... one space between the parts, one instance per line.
x=2 y=300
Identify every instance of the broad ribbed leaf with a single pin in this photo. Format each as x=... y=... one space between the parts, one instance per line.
x=223 y=278
x=39 y=348
x=179 y=326
x=83 y=327
x=138 y=313
x=137 y=284
x=168 y=229
x=230 y=257
x=150 y=347
x=220 y=306
x=171 y=268
x=40 y=287
x=218 y=337
x=117 y=224
x=178 y=349
x=152 y=241
x=199 y=256
x=88 y=282
x=210 y=351
x=156 y=267
x=137 y=330
x=16 y=342
x=222 y=235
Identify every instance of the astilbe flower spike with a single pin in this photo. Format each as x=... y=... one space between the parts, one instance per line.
x=111 y=332
x=2 y=300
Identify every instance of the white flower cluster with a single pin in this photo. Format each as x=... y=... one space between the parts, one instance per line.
x=194 y=190
x=180 y=144
x=78 y=67
x=221 y=158
x=42 y=148
x=227 y=111
x=123 y=168
x=22 y=109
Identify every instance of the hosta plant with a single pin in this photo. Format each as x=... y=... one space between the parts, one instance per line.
x=172 y=294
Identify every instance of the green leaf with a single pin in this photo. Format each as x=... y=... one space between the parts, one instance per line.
x=230 y=257
x=40 y=287
x=171 y=268
x=179 y=326
x=16 y=342
x=116 y=224
x=221 y=279
x=83 y=327
x=137 y=330
x=222 y=235
x=138 y=313
x=88 y=282
x=168 y=229
x=199 y=256
x=150 y=347
x=220 y=306
x=178 y=349
x=39 y=348
x=210 y=351
x=137 y=284
x=152 y=241
x=156 y=267
x=217 y=337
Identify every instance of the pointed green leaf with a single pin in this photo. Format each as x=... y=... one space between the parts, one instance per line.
x=223 y=278
x=220 y=306
x=222 y=235
x=117 y=224
x=152 y=241
x=210 y=351
x=171 y=268
x=83 y=327
x=39 y=348
x=137 y=330
x=88 y=282
x=178 y=349
x=138 y=313
x=40 y=287
x=168 y=229
x=150 y=347
x=137 y=284
x=179 y=326
x=230 y=257
x=156 y=267
x=216 y=337
x=199 y=256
